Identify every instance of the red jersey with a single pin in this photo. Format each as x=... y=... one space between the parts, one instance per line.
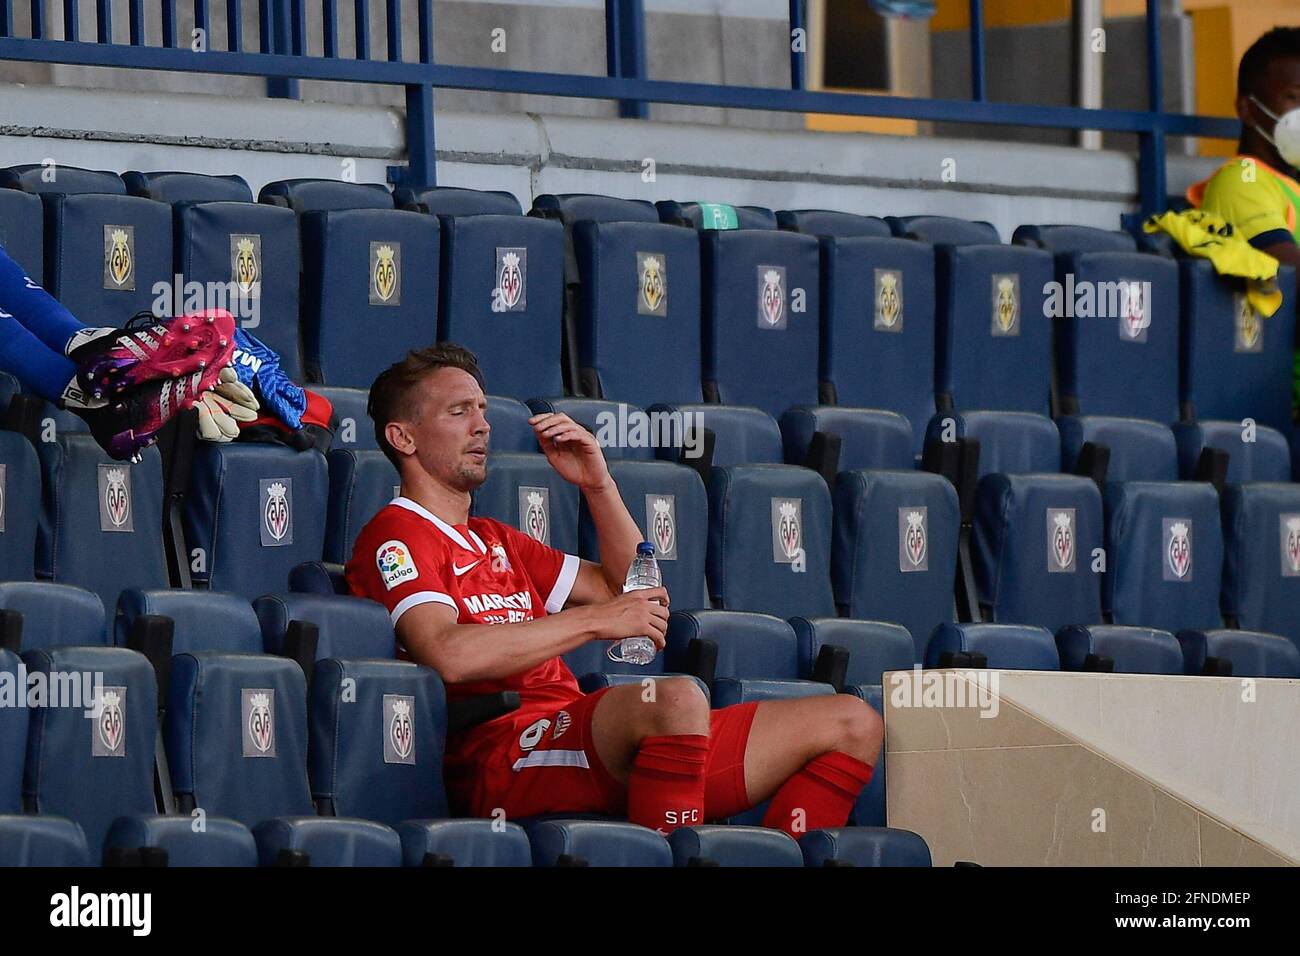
x=490 y=573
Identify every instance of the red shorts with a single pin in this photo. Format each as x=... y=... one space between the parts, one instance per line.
x=550 y=766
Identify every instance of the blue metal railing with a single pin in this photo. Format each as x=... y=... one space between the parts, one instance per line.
x=281 y=57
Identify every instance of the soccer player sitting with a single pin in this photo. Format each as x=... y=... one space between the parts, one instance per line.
x=492 y=609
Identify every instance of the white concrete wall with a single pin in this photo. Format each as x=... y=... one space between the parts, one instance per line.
x=528 y=154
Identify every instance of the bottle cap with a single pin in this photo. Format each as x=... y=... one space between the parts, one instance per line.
x=645 y=547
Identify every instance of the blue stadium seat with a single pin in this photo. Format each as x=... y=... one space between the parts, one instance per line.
x=996 y=358
x=1251 y=653
x=1261 y=586
x=869 y=438
x=744 y=435
x=221 y=842
x=355 y=429
x=734 y=846
x=360 y=484
x=502 y=296
x=944 y=230
x=174 y=187
x=874 y=646
x=325 y=195
x=639 y=303
x=508 y=420
x=761 y=318
x=571 y=208
x=758 y=655
x=348 y=627
x=613 y=424
x=370 y=291
x=1235 y=363
x=236 y=737
x=205 y=620
x=375 y=752
x=910 y=584
x=253 y=250
x=1011 y=443
x=1265 y=458
x=1074 y=239
x=709 y=216
x=1099 y=359
x=864 y=846
x=318 y=577
x=93 y=771
x=828 y=222
x=128 y=238
x=1007 y=646
x=256 y=510
x=41 y=841
x=326 y=843
x=727 y=691
x=1034 y=548
x=770 y=540
x=22 y=230
x=525 y=492
x=101 y=520
x=464 y=843
x=454 y=201
x=1134 y=650
x=55 y=615
x=20 y=488
x=889 y=362
x=669 y=505
x=69 y=180
x=1140 y=450
x=1164 y=555
x=13 y=740
x=596 y=843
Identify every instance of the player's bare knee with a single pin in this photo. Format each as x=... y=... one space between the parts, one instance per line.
x=678 y=707
x=859 y=729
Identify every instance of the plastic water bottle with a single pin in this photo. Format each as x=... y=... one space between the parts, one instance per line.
x=644 y=573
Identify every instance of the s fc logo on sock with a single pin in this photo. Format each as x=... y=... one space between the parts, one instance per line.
x=687 y=816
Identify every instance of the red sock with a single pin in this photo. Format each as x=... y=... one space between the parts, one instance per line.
x=820 y=795
x=665 y=789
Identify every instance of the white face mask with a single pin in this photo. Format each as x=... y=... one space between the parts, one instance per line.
x=1286 y=132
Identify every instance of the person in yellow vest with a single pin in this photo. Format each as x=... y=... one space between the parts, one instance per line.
x=1257 y=190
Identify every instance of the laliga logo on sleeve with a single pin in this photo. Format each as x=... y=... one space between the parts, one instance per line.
x=393 y=558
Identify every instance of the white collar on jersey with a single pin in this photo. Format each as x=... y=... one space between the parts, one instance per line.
x=449 y=530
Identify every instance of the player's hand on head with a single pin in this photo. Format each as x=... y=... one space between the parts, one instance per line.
x=571 y=450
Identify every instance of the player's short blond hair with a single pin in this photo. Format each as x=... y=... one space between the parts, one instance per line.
x=390 y=395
